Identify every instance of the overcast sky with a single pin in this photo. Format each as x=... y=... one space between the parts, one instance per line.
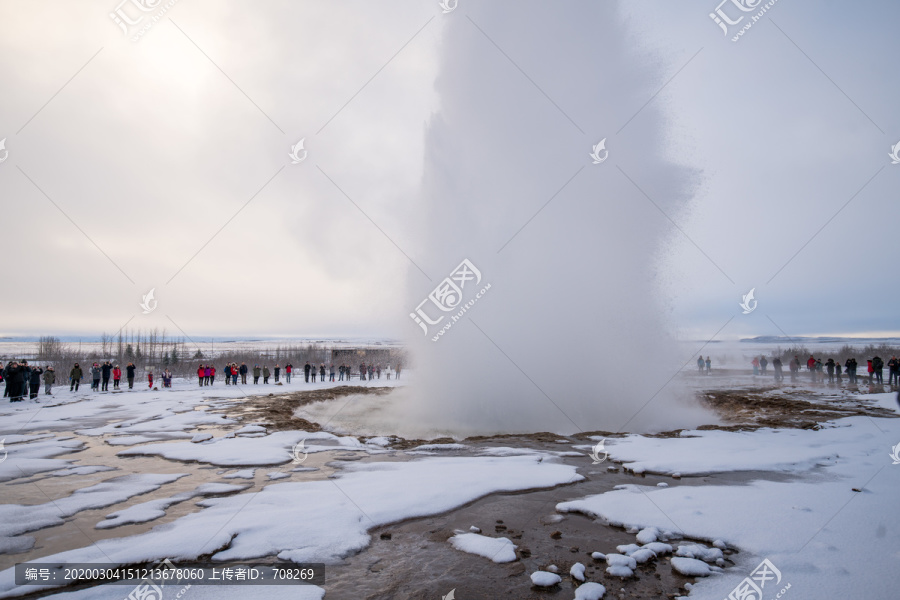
x=164 y=164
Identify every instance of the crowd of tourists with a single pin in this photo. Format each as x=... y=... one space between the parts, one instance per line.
x=22 y=379
x=830 y=370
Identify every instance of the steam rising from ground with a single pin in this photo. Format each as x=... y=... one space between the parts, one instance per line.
x=571 y=336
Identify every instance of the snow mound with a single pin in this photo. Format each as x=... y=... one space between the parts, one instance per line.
x=598 y=556
x=201 y=437
x=620 y=560
x=545 y=579
x=658 y=548
x=499 y=550
x=627 y=549
x=590 y=591
x=690 y=567
x=643 y=555
x=620 y=571
x=648 y=535
x=700 y=552
x=577 y=571
x=243 y=474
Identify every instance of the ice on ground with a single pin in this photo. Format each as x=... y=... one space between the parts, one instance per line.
x=577 y=571
x=590 y=591
x=440 y=447
x=545 y=579
x=274 y=449
x=250 y=429
x=690 y=566
x=82 y=470
x=243 y=474
x=201 y=437
x=278 y=475
x=16 y=519
x=785 y=450
x=379 y=441
x=27 y=459
x=499 y=550
x=317 y=521
x=699 y=552
x=134 y=440
x=154 y=509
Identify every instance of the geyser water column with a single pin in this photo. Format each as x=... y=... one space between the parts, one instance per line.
x=571 y=335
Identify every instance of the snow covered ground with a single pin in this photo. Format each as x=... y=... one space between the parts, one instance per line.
x=832 y=529
x=185 y=478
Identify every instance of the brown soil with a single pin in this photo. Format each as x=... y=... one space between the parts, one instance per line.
x=276 y=411
x=786 y=408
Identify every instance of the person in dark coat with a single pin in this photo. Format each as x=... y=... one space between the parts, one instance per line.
x=106 y=371
x=851 y=365
x=15 y=379
x=322 y=372
x=266 y=374
x=35 y=382
x=129 y=372
x=255 y=374
x=277 y=372
x=362 y=371
x=763 y=363
x=829 y=367
x=776 y=364
x=243 y=371
x=75 y=376
x=306 y=369
x=878 y=366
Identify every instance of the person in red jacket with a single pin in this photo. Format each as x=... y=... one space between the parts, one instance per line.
x=811 y=366
x=212 y=374
x=117 y=375
x=288 y=368
x=201 y=373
